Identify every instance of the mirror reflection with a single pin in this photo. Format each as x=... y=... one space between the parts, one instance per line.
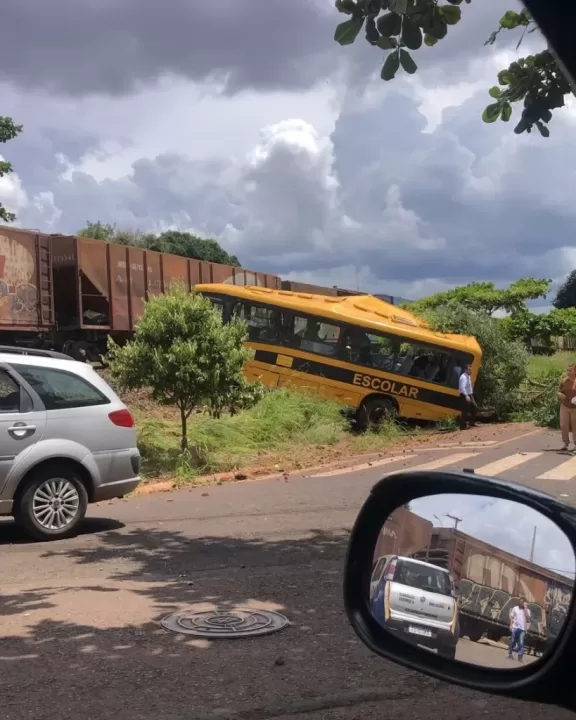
x=473 y=578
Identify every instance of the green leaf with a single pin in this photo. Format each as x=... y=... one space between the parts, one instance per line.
x=386 y=43
x=438 y=27
x=506 y=112
x=495 y=91
x=390 y=67
x=430 y=41
x=348 y=31
x=491 y=113
x=411 y=34
x=511 y=20
x=345 y=6
x=398 y=6
x=372 y=34
x=389 y=24
x=451 y=14
x=504 y=77
x=407 y=63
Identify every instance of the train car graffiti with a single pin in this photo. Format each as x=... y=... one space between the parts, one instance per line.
x=557 y=602
x=493 y=604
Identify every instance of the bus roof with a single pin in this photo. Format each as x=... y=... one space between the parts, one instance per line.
x=364 y=310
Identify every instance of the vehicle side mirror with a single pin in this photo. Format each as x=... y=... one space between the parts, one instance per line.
x=508 y=545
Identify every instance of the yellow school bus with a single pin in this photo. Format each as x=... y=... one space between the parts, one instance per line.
x=360 y=351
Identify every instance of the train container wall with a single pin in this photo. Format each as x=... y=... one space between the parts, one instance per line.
x=404 y=533
x=25 y=281
x=491 y=581
x=104 y=286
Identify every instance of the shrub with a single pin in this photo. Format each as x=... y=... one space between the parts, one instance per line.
x=504 y=361
x=542 y=406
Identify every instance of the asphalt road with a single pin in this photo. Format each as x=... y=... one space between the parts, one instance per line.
x=80 y=625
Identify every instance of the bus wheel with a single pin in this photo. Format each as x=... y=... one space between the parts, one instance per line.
x=374 y=411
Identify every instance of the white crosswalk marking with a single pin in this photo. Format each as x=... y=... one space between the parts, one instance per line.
x=444 y=461
x=365 y=466
x=564 y=471
x=506 y=463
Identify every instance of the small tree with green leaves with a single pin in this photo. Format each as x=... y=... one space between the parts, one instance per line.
x=186 y=356
x=8 y=131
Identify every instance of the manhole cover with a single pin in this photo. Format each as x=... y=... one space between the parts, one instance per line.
x=225 y=623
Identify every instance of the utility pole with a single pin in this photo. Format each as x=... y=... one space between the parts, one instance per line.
x=533 y=544
x=456 y=520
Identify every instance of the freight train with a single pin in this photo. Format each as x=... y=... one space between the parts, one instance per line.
x=70 y=293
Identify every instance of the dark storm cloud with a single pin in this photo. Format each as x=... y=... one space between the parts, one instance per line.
x=114 y=46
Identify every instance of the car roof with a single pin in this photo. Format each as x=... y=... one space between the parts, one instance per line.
x=421 y=562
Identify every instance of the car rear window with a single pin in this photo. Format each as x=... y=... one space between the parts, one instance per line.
x=422 y=577
x=61 y=390
x=9 y=394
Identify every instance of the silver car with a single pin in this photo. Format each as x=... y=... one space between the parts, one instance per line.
x=66 y=440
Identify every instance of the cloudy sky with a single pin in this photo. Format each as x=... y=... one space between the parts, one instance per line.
x=504 y=524
x=243 y=120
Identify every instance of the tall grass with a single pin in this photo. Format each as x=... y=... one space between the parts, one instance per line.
x=283 y=421
x=541 y=363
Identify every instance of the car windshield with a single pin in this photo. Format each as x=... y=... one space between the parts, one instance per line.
x=422 y=577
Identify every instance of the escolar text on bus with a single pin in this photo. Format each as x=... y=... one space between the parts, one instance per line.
x=387 y=386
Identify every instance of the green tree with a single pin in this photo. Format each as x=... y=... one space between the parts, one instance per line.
x=566 y=295
x=402 y=26
x=175 y=242
x=183 y=353
x=543 y=328
x=504 y=361
x=8 y=131
x=110 y=233
x=486 y=298
x=98 y=231
x=192 y=246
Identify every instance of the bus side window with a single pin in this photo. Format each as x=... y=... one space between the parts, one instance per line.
x=312 y=335
x=263 y=322
x=369 y=349
x=425 y=362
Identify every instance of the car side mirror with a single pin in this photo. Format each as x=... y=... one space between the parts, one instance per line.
x=506 y=544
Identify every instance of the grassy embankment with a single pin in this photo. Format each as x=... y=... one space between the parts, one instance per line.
x=287 y=430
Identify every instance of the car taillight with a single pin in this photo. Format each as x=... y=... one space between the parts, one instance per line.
x=122 y=418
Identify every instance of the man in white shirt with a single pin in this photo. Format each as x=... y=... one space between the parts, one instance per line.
x=519 y=624
x=468 y=403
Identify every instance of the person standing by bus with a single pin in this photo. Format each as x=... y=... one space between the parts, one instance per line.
x=469 y=407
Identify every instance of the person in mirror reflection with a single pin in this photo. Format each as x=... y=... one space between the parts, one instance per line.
x=567 y=397
x=519 y=624
x=468 y=403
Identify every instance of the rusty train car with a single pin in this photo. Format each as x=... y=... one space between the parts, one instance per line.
x=70 y=293
x=490 y=582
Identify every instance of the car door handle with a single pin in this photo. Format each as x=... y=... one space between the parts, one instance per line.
x=22 y=430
